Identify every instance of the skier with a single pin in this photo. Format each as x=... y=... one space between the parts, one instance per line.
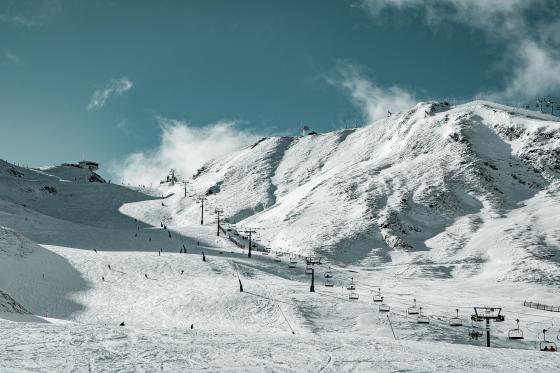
x=203 y=257
x=169 y=234
x=108 y=265
x=150 y=239
x=159 y=252
x=145 y=275
x=121 y=324
x=192 y=326
x=182 y=271
x=102 y=278
x=95 y=250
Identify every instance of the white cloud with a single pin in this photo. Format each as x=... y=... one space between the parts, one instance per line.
x=29 y=13
x=11 y=57
x=116 y=87
x=495 y=17
x=183 y=147
x=536 y=72
x=374 y=101
x=530 y=59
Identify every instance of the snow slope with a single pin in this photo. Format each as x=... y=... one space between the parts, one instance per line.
x=453 y=208
x=420 y=189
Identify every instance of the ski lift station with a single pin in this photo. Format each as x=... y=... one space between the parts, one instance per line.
x=90 y=165
x=307 y=131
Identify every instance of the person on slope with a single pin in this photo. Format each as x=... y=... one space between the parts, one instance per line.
x=146 y=275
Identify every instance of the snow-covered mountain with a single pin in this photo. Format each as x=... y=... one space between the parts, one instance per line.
x=438 y=191
x=429 y=207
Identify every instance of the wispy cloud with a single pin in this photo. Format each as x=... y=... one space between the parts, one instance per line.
x=11 y=57
x=531 y=58
x=29 y=13
x=373 y=100
x=184 y=147
x=115 y=88
x=536 y=73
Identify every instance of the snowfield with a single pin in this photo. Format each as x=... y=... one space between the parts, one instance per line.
x=450 y=208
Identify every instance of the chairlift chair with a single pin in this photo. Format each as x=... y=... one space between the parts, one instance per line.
x=413 y=310
x=292 y=263
x=476 y=318
x=377 y=297
x=351 y=287
x=308 y=269
x=422 y=319
x=353 y=295
x=546 y=345
x=516 y=333
x=278 y=257
x=475 y=334
x=456 y=321
x=384 y=307
x=329 y=282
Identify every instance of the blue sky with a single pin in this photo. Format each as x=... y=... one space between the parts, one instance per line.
x=106 y=80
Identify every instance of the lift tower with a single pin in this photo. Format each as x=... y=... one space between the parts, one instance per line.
x=488 y=313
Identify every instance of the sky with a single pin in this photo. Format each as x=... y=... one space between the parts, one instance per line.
x=142 y=86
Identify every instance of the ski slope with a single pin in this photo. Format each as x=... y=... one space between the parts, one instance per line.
x=423 y=205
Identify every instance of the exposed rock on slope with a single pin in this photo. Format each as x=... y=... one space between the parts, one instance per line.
x=412 y=188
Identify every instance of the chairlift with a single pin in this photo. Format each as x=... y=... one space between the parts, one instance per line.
x=329 y=278
x=377 y=297
x=292 y=263
x=351 y=287
x=353 y=295
x=413 y=310
x=456 y=321
x=422 y=319
x=475 y=334
x=384 y=307
x=476 y=318
x=547 y=346
x=516 y=333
